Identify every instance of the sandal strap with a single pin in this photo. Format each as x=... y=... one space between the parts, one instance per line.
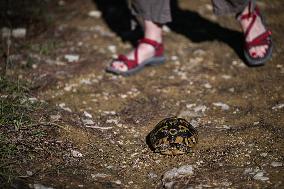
x=262 y=39
x=159 y=48
x=129 y=63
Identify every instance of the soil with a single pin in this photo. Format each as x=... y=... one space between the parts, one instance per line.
x=237 y=109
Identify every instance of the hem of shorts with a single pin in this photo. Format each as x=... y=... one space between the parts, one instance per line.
x=235 y=12
x=159 y=20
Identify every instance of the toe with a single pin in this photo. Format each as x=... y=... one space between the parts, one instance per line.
x=253 y=53
x=119 y=66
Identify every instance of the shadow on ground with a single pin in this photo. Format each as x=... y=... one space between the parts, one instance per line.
x=185 y=22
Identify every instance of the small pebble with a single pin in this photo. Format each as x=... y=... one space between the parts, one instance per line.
x=112 y=48
x=118 y=182
x=276 y=164
x=95 y=14
x=259 y=176
x=88 y=122
x=279 y=106
x=76 y=153
x=263 y=154
x=19 y=32
x=72 y=57
x=222 y=105
x=87 y=114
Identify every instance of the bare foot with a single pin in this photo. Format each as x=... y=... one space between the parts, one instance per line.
x=145 y=51
x=257 y=29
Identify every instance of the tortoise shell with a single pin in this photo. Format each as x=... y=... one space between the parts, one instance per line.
x=173 y=136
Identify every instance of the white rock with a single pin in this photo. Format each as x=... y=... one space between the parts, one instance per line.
x=88 y=122
x=259 y=176
x=85 y=81
x=166 y=29
x=200 y=108
x=40 y=186
x=68 y=88
x=55 y=117
x=19 y=32
x=226 y=77
x=209 y=7
x=152 y=175
x=263 y=154
x=99 y=175
x=33 y=99
x=279 y=106
x=190 y=105
x=63 y=106
x=72 y=57
x=222 y=105
x=98 y=127
x=29 y=173
x=118 y=182
x=87 y=114
x=112 y=48
x=194 y=123
x=276 y=164
x=208 y=86
x=115 y=121
x=174 y=58
x=76 y=153
x=123 y=96
x=95 y=14
x=248 y=171
x=184 y=170
x=223 y=127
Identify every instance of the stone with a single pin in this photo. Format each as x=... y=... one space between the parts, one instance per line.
x=99 y=175
x=72 y=57
x=87 y=114
x=279 y=106
x=40 y=186
x=182 y=171
x=88 y=121
x=19 y=32
x=222 y=105
x=276 y=164
x=95 y=13
x=76 y=154
x=259 y=176
x=112 y=48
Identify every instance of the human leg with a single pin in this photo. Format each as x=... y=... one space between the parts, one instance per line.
x=254 y=29
x=154 y=14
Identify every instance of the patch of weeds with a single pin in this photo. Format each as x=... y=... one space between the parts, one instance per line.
x=27 y=138
x=17 y=111
x=44 y=48
x=15 y=106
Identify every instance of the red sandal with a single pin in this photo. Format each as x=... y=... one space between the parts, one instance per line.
x=133 y=66
x=262 y=39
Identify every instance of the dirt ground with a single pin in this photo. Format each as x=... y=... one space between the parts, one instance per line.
x=100 y=121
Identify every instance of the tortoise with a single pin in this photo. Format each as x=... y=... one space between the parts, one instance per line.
x=173 y=136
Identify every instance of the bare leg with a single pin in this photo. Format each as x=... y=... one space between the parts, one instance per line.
x=152 y=31
x=257 y=29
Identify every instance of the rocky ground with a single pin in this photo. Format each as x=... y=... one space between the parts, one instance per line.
x=88 y=127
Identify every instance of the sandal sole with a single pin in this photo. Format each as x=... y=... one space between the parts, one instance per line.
x=154 y=61
x=259 y=61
